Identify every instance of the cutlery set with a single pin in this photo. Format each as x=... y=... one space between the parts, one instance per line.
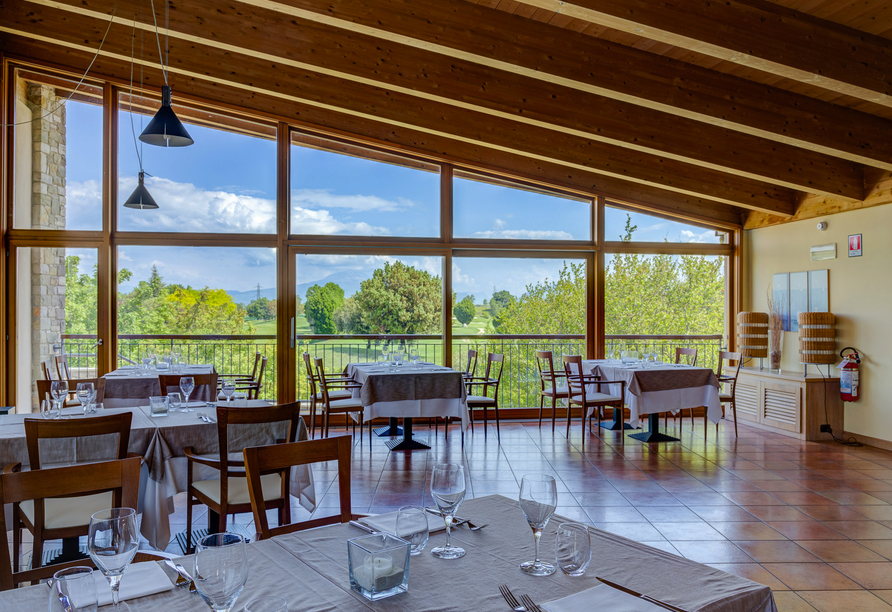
x=526 y=604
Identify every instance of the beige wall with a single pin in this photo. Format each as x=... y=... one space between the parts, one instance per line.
x=860 y=297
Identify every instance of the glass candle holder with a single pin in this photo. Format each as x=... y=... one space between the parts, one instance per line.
x=159 y=406
x=379 y=565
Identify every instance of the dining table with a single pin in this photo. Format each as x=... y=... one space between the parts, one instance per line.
x=422 y=390
x=160 y=441
x=309 y=569
x=654 y=387
x=132 y=385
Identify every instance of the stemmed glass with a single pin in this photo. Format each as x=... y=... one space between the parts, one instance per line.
x=86 y=393
x=187 y=384
x=385 y=353
x=174 y=361
x=221 y=569
x=413 y=355
x=59 y=391
x=448 y=490
x=538 y=500
x=228 y=389
x=113 y=541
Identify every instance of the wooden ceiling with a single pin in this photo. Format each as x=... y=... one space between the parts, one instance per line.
x=739 y=111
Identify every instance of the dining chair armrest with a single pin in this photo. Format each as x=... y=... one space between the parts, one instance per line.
x=12 y=468
x=141 y=458
x=726 y=378
x=192 y=456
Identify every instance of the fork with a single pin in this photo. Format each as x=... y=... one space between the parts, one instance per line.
x=529 y=605
x=511 y=599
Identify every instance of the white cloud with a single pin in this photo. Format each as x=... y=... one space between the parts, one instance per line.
x=704 y=236
x=525 y=234
x=324 y=199
x=499 y=224
x=462 y=281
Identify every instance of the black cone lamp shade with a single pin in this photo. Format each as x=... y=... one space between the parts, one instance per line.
x=165 y=130
x=140 y=199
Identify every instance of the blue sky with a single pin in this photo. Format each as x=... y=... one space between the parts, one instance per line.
x=226 y=183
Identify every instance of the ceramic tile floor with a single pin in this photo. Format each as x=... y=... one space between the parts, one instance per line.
x=811 y=520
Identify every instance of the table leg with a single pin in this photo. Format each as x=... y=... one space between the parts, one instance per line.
x=393 y=429
x=617 y=424
x=71 y=551
x=653 y=434
x=406 y=442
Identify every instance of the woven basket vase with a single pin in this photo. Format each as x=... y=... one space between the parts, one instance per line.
x=817 y=338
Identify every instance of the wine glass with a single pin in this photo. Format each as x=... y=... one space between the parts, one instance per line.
x=448 y=491
x=85 y=393
x=385 y=353
x=228 y=389
x=538 y=500
x=59 y=391
x=174 y=361
x=413 y=355
x=221 y=569
x=187 y=384
x=112 y=541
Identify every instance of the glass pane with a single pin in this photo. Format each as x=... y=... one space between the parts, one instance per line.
x=633 y=226
x=176 y=299
x=224 y=183
x=347 y=190
x=374 y=301
x=680 y=298
x=58 y=155
x=515 y=307
x=56 y=310
x=487 y=210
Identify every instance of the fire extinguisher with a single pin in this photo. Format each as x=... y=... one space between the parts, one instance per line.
x=848 y=376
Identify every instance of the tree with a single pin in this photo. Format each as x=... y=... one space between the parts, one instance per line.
x=348 y=318
x=465 y=311
x=546 y=307
x=299 y=306
x=322 y=302
x=259 y=309
x=271 y=309
x=400 y=299
x=81 y=296
x=499 y=300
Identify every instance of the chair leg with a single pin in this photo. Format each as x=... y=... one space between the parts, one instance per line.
x=734 y=410
x=188 y=550
x=16 y=538
x=325 y=424
x=312 y=418
x=541 y=407
x=37 y=549
x=485 y=424
x=446 y=421
x=498 y=433
x=569 y=412
x=221 y=518
x=553 y=413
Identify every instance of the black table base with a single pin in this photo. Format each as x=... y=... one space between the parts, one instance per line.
x=617 y=424
x=393 y=429
x=406 y=443
x=653 y=434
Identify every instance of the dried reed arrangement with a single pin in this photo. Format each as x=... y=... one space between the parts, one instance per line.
x=776 y=313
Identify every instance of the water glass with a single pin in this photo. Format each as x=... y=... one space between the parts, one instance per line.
x=448 y=490
x=73 y=590
x=86 y=393
x=573 y=548
x=267 y=604
x=538 y=500
x=49 y=410
x=112 y=541
x=411 y=525
x=413 y=355
x=228 y=389
x=174 y=401
x=159 y=406
x=398 y=357
x=221 y=569
x=59 y=391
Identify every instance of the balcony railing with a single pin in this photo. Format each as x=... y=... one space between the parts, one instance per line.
x=519 y=387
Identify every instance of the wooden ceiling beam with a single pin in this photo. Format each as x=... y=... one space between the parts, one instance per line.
x=563 y=57
x=753 y=33
x=403 y=111
x=362 y=59
x=469 y=155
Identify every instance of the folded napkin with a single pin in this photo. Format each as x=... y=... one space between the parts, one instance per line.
x=140 y=580
x=601 y=597
x=387 y=522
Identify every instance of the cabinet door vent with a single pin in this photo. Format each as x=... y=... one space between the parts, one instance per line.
x=747 y=399
x=781 y=405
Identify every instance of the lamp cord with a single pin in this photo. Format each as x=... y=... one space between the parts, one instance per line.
x=158 y=40
x=130 y=97
x=79 y=83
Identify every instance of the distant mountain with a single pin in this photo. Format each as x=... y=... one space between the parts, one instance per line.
x=246 y=297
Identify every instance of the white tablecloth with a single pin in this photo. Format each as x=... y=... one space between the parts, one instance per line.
x=421 y=408
x=652 y=402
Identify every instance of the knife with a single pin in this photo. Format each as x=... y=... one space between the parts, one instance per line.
x=629 y=591
x=365 y=528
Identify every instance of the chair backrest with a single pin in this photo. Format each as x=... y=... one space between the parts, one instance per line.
x=691 y=352
x=573 y=368
x=311 y=378
x=62 y=371
x=471 y=366
x=323 y=386
x=545 y=363
x=260 y=460
x=120 y=477
x=42 y=429
x=43 y=388
x=259 y=379
x=46 y=368
x=205 y=385
x=728 y=356
x=495 y=364
x=251 y=416
x=257 y=358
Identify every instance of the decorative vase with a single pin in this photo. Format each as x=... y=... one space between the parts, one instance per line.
x=775 y=348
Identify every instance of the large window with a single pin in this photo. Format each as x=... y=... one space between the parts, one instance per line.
x=491 y=210
x=224 y=183
x=345 y=190
x=633 y=226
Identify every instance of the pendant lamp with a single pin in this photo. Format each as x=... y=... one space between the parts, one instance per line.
x=140 y=199
x=165 y=129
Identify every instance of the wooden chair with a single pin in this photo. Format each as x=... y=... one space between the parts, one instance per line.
x=46 y=369
x=244 y=377
x=62 y=370
x=263 y=460
x=577 y=382
x=253 y=387
x=67 y=517
x=495 y=365
x=43 y=390
x=205 y=385
x=334 y=392
x=228 y=494
x=471 y=365
x=679 y=353
x=730 y=380
x=119 y=480
x=343 y=406
x=548 y=384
